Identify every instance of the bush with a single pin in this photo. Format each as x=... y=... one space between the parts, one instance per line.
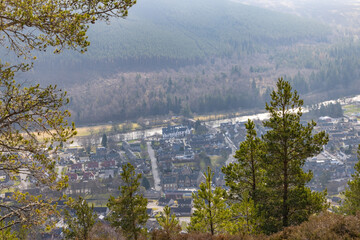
x=323 y=226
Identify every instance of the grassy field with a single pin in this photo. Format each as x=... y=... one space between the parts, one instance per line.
x=351 y=109
x=217 y=161
x=86 y=131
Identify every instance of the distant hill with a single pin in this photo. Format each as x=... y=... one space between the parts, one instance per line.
x=171 y=57
x=159 y=34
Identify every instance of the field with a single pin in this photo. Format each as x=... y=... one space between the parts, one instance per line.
x=89 y=130
x=351 y=109
x=217 y=161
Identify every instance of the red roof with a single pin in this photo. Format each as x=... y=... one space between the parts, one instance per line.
x=72 y=176
x=92 y=165
x=76 y=166
x=88 y=175
x=110 y=163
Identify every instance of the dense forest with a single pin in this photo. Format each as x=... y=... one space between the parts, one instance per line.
x=171 y=57
x=161 y=34
x=225 y=85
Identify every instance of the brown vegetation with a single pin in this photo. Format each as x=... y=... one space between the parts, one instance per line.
x=323 y=226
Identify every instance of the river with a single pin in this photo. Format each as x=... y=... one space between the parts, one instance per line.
x=216 y=123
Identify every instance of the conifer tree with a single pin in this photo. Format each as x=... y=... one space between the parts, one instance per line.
x=104 y=141
x=168 y=222
x=288 y=145
x=246 y=175
x=80 y=225
x=351 y=203
x=145 y=183
x=211 y=213
x=244 y=217
x=128 y=211
x=245 y=178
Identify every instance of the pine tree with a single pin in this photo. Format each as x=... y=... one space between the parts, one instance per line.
x=351 y=203
x=244 y=217
x=211 y=213
x=104 y=141
x=288 y=145
x=245 y=178
x=246 y=175
x=128 y=211
x=145 y=183
x=168 y=222
x=80 y=225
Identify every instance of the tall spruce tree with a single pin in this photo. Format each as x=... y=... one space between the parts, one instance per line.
x=104 y=140
x=351 y=203
x=245 y=177
x=128 y=211
x=211 y=213
x=288 y=145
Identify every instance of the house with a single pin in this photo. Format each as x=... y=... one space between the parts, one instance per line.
x=113 y=155
x=88 y=176
x=107 y=173
x=101 y=211
x=175 y=131
x=84 y=159
x=177 y=194
x=72 y=176
x=135 y=147
x=169 y=183
x=92 y=166
x=76 y=167
x=150 y=212
x=188 y=180
x=101 y=151
x=184 y=202
x=163 y=201
x=181 y=211
x=108 y=164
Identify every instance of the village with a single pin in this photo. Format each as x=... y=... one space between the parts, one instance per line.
x=172 y=164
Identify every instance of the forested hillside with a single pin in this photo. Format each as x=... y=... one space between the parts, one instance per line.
x=184 y=57
x=161 y=34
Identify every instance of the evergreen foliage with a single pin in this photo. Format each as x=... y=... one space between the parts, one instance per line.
x=245 y=217
x=333 y=110
x=288 y=144
x=246 y=176
x=80 y=224
x=351 y=203
x=168 y=222
x=211 y=212
x=172 y=34
x=145 y=183
x=104 y=140
x=128 y=211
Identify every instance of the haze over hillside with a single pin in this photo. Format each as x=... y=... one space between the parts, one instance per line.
x=160 y=34
x=345 y=12
x=183 y=57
